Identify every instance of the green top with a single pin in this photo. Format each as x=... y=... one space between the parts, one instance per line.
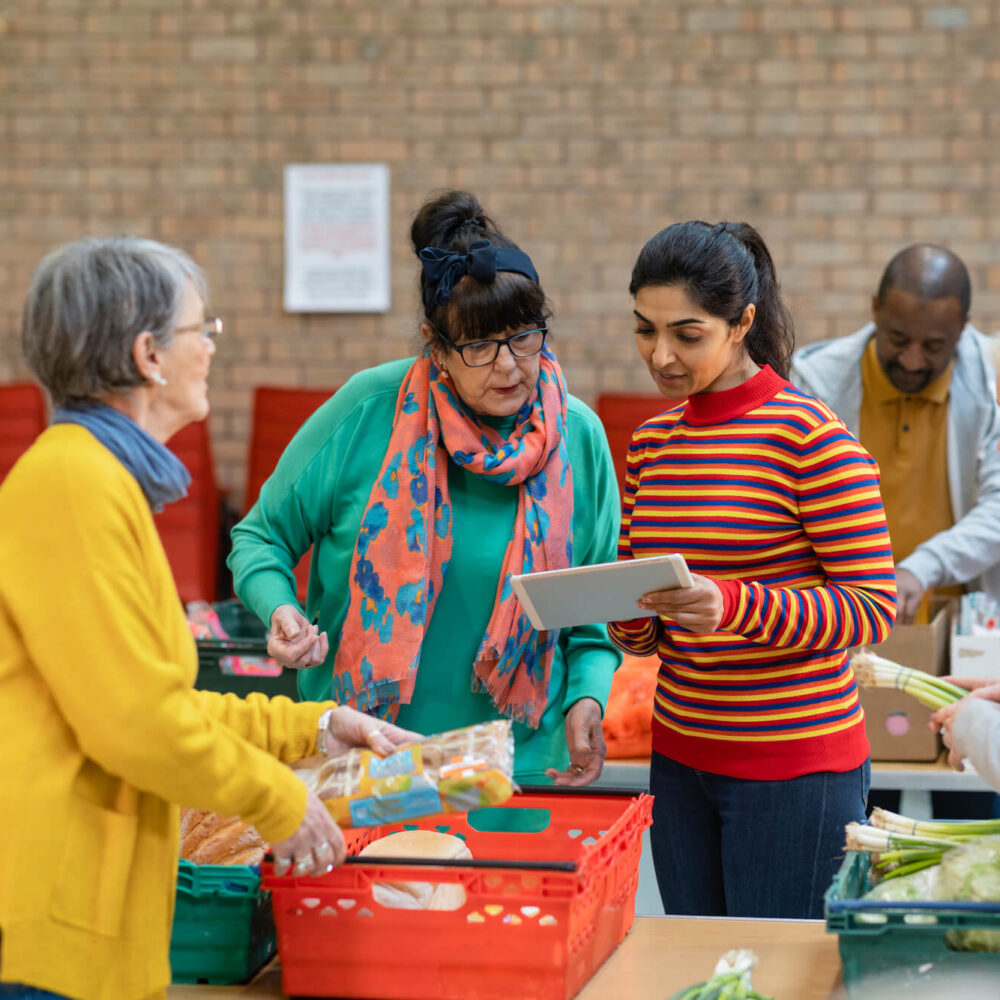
x=316 y=497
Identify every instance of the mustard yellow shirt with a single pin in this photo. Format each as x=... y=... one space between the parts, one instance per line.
x=908 y=436
x=102 y=732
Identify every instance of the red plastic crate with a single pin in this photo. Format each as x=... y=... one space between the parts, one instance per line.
x=525 y=930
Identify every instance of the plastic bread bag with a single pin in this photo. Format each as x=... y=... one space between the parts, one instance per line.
x=452 y=772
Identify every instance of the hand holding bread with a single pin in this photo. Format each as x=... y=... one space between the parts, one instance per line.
x=348 y=728
x=315 y=848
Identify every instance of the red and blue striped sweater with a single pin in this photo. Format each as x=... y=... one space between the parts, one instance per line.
x=764 y=490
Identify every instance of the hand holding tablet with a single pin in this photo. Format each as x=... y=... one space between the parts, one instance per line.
x=604 y=592
x=698 y=608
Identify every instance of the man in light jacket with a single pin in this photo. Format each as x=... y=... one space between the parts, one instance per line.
x=918 y=387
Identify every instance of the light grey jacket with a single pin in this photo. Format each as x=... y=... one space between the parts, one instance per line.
x=969 y=551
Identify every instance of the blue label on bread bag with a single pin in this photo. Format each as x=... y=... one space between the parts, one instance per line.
x=421 y=800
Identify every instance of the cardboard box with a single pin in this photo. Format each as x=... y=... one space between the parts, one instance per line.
x=897 y=722
x=975 y=655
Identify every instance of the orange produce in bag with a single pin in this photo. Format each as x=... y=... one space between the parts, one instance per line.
x=628 y=717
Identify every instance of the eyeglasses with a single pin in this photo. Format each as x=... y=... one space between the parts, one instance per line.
x=210 y=328
x=480 y=353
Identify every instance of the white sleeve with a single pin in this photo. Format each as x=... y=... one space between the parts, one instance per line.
x=975 y=734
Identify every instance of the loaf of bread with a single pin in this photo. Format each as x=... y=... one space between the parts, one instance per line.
x=418 y=895
x=210 y=839
x=452 y=772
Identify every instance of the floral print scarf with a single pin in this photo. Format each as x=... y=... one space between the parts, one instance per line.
x=404 y=544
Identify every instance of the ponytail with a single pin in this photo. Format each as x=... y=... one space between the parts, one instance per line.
x=724 y=268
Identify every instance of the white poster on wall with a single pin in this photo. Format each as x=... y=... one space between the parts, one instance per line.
x=337 y=237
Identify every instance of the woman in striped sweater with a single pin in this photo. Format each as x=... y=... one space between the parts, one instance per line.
x=759 y=749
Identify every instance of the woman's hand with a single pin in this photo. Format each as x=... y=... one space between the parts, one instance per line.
x=316 y=847
x=942 y=721
x=350 y=728
x=585 y=741
x=293 y=642
x=977 y=684
x=944 y=718
x=697 y=608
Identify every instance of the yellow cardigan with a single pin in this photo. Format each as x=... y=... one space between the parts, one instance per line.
x=101 y=730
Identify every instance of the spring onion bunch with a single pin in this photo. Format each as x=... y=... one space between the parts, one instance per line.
x=969 y=872
x=899 y=845
x=731 y=980
x=874 y=671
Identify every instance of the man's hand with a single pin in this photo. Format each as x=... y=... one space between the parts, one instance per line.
x=697 y=608
x=585 y=741
x=909 y=594
x=293 y=642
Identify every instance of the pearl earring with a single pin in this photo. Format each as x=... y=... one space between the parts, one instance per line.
x=158 y=378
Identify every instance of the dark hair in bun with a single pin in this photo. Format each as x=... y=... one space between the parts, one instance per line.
x=453 y=220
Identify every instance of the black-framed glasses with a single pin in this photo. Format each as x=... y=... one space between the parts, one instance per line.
x=479 y=353
x=210 y=328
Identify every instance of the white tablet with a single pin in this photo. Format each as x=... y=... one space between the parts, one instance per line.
x=604 y=592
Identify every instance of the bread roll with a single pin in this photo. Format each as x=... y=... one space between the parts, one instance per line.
x=418 y=895
x=210 y=839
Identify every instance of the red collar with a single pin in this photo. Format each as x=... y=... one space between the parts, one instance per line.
x=718 y=407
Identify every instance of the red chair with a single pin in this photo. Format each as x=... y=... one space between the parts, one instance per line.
x=189 y=528
x=22 y=419
x=277 y=414
x=621 y=413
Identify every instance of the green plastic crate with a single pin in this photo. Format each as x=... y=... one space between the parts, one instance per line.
x=223 y=925
x=248 y=637
x=895 y=947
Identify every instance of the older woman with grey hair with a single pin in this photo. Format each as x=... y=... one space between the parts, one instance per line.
x=101 y=729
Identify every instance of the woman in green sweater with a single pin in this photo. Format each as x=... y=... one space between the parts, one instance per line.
x=421 y=486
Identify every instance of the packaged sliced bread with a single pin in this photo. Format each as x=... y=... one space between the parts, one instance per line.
x=453 y=772
x=418 y=895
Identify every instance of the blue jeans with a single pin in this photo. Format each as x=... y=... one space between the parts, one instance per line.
x=732 y=847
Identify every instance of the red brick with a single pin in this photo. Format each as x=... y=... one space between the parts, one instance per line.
x=844 y=130
x=877 y=16
x=240 y=49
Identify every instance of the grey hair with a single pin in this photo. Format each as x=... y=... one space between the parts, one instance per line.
x=87 y=303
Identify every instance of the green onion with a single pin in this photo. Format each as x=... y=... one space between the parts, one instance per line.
x=953 y=829
x=730 y=982
x=899 y=845
x=874 y=671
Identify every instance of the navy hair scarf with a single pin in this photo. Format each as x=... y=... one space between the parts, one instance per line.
x=444 y=267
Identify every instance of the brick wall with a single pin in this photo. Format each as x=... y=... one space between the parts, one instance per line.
x=843 y=129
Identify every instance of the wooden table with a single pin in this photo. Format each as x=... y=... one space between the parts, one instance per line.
x=934 y=776
x=661 y=955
